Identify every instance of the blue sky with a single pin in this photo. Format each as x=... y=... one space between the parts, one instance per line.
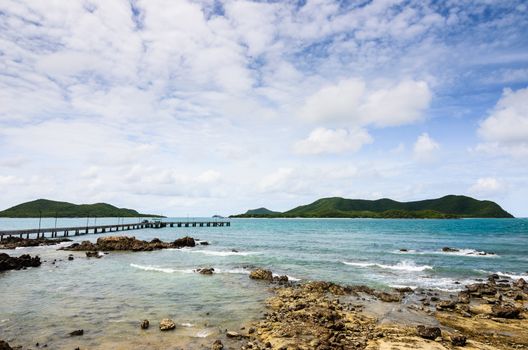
x=203 y=107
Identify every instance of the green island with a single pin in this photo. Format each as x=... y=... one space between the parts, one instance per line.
x=447 y=207
x=48 y=208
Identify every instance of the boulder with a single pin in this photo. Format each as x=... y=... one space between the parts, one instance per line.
x=446 y=305
x=145 y=324
x=505 y=311
x=388 y=297
x=427 y=332
x=450 y=250
x=77 y=333
x=458 y=340
x=16 y=263
x=167 y=324
x=261 y=274
x=281 y=279
x=464 y=297
x=217 y=345
x=520 y=283
x=4 y=345
x=184 y=242
x=206 y=271
x=93 y=254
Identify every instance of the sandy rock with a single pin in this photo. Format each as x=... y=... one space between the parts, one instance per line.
x=505 y=311
x=426 y=332
x=261 y=274
x=167 y=324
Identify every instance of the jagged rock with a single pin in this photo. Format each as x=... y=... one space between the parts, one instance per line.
x=206 y=271
x=16 y=263
x=428 y=332
x=94 y=254
x=145 y=324
x=261 y=274
x=184 y=242
x=446 y=305
x=77 y=333
x=4 y=345
x=167 y=324
x=458 y=340
x=505 y=311
x=125 y=243
x=217 y=345
x=450 y=250
x=464 y=297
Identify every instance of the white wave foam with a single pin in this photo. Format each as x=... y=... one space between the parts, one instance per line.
x=187 y=325
x=159 y=269
x=233 y=271
x=224 y=253
x=471 y=252
x=407 y=266
x=54 y=246
x=513 y=276
x=203 y=333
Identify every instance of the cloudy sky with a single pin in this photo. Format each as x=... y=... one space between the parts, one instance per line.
x=201 y=107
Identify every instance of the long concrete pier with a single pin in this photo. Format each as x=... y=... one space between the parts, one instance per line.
x=85 y=230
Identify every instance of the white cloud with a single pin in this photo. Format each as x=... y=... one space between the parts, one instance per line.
x=505 y=129
x=425 y=148
x=351 y=102
x=486 y=186
x=323 y=140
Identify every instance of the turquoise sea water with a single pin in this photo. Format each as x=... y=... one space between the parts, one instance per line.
x=108 y=296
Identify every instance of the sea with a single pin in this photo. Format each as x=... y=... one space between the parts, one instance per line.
x=108 y=297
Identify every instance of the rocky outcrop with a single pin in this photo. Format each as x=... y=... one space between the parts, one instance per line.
x=167 y=324
x=205 y=271
x=124 y=243
x=261 y=274
x=4 y=345
x=17 y=242
x=16 y=263
x=506 y=311
x=426 y=332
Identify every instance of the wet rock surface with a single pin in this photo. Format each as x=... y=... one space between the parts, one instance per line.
x=17 y=242
x=4 y=345
x=124 y=243
x=17 y=263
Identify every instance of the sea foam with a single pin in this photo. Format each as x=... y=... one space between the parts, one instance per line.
x=407 y=266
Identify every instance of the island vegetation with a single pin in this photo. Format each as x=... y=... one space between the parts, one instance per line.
x=447 y=207
x=48 y=208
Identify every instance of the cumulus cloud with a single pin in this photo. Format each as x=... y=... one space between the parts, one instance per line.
x=351 y=102
x=425 y=148
x=505 y=129
x=486 y=186
x=323 y=140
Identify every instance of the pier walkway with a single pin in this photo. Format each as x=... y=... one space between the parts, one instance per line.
x=84 y=230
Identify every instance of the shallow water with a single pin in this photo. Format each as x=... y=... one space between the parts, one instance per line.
x=107 y=297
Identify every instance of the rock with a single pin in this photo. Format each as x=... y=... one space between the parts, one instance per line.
x=458 y=340
x=505 y=311
x=281 y=279
x=204 y=243
x=93 y=255
x=145 y=324
x=16 y=242
x=446 y=305
x=493 y=277
x=404 y=290
x=206 y=271
x=167 y=324
x=4 y=345
x=17 y=263
x=261 y=274
x=464 y=297
x=426 y=332
x=70 y=257
x=450 y=250
x=234 y=251
x=388 y=297
x=184 y=242
x=404 y=250
x=217 y=345
x=233 y=334
x=520 y=283
x=77 y=333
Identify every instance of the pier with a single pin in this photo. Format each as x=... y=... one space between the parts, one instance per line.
x=98 y=229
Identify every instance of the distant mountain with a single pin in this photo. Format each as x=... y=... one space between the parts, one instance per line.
x=49 y=208
x=261 y=212
x=447 y=207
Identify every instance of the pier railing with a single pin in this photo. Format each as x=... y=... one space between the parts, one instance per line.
x=84 y=230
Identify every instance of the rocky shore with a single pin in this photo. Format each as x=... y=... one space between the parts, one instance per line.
x=17 y=242
x=324 y=315
x=17 y=263
x=124 y=243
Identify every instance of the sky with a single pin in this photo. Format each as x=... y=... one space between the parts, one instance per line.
x=215 y=107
